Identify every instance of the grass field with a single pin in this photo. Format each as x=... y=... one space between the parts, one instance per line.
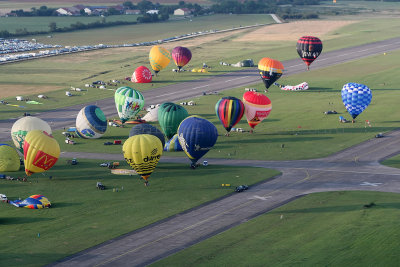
x=324 y=229
x=82 y=216
x=392 y=162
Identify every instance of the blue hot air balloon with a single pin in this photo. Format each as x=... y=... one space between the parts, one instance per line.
x=196 y=136
x=356 y=97
x=91 y=122
x=173 y=144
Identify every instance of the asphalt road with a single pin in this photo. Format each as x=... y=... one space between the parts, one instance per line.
x=356 y=168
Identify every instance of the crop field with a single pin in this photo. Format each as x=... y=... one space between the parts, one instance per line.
x=331 y=229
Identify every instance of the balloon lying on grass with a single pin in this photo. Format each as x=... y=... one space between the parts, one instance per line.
x=181 y=56
x=170 y=115
x=9 y=159
x=128 y=102
x=173 y=144
x=159 y=58
x=145 y=128
x=142 y=75
x=356 y=98
x=257 y=107
x=270 y=70
x=91 y=122
x=142 y=152
x=309 y=48
x=22 y=126
x=229 y=111
x=32 y=202
x=196 y=136
x=41 y=152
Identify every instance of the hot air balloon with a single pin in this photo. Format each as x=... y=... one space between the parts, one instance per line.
x=159 y=58
x=196 y=136
x=257 y=107
x=32 y=202
x=128 y=102
x=9 y=159
x=181 y=56
x=170 y=115
x=145 y=128
x=142 y=152
x=173 y=144
x=142 y=75
x=91 y=122
x=309 y=48
x=270 y=70
x=22 y=126
x=41 y=152
x=229 y=111
x=356 y=97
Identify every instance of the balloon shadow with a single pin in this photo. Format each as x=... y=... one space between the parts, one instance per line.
x=22 y=220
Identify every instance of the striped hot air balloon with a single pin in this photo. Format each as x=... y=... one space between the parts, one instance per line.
x=128 y=102
x=229 y=111
x=270 y=70
x=309 y=48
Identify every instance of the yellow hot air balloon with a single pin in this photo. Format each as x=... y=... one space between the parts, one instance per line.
x=159 y=58
x=41 y=152
x=142 y=152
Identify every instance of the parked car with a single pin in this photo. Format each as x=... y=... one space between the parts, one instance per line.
x=241 y=188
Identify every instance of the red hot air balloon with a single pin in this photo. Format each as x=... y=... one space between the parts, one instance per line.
x=181 y=56
x=142 y=75
x=309 y=48
x=257 y=107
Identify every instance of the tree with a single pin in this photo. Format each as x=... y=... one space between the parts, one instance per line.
x=128 y=5
x=181 y=4
x=82 y=12
x=53 y=27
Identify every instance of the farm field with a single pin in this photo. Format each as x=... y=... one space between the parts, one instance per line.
x=82 y=216
x=319 y=229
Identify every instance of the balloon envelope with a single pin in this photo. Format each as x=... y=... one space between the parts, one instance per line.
x=159 y=58
x=309 y=48
x=91 y=122
x=181 y=56
x=33 y=202
x=22 y=126
x=270 y=70
x=128 y=102
x=356 y=97
x=173 y=144
x=196 y=136
x=9 y=159
x=170 y=115
x=257 y=107
x=145 y=128
x=142 y=152
x=142 y=75
x=41 y=152
x=229 y=111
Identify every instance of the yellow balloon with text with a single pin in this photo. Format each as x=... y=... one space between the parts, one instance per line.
x=159 y=58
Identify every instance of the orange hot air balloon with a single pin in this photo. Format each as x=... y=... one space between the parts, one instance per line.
x=41 y=152
x=257 y=107
x=270 y=70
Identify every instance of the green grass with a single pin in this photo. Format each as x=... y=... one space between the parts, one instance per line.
x=324 y=229
x=82 y=216
x=392 y=162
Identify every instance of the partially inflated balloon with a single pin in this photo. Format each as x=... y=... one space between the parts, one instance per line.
x=257 y=107
x=159 y=58
x=91 y=122
x=309 y=48
x=356 y=97
x=41 y=152
x=9 y=159
x=145 y=128
x=229 y=111
x=181 y=56
x=170 y=115
x=22 y=126
x=128 y=102
x=196 y=136
x=142 y=152
x=173 y=144
x=142 y=75
x=270 y=70
x=33 y=202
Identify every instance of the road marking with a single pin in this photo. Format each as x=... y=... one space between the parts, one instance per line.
x=237 y=78
x=258 y=197
x=370 y=184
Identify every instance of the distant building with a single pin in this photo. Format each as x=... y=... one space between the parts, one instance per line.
x=152 y=11
x=68 y=11
x=132 y=12
x=182 y=11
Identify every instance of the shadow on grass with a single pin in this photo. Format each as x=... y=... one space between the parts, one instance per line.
x=22 y=220
x=64 y=204
x=266 y=140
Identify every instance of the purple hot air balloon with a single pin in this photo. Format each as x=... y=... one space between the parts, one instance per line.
x=181 y=55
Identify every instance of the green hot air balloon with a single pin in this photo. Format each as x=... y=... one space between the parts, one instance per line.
x=128 y=102
x=170 y=115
